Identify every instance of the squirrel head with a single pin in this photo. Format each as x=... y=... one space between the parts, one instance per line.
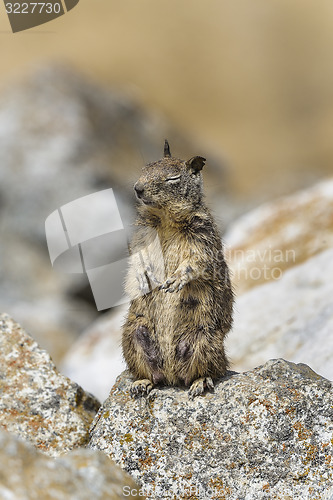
x=171 y=184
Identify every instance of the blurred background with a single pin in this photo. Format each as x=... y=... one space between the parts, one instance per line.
x=251 y=80
x=88 y=98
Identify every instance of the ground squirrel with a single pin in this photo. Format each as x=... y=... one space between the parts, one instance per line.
x=178 y=282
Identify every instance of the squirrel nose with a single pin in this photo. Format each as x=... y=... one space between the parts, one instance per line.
x=139 y=189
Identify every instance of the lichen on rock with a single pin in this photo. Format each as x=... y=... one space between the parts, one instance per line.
x=279 y=235
x=266 y=433
x=38 y=403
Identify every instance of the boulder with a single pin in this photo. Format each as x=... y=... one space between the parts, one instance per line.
x=291 y=317
x=38 y=403
x=81 y=475
x=266 y=434
x=276 y=236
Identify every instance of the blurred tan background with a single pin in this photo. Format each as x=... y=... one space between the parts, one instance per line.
x=252 y=80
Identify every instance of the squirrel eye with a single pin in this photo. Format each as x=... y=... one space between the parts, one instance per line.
x=173 y=179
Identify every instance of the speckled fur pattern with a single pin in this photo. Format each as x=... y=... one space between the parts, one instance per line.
x=181 y=297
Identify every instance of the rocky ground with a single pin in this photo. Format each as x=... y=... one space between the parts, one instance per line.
x=44 y=415
x=265 y=433
x=292 y=317
x=27 y=474
x=37 y=402
x=278 y=235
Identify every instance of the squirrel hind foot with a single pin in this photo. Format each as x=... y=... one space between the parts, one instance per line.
x=198 y=386
x=140 y=387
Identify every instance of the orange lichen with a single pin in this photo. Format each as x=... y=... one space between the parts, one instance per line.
x=303 y=433
x=128 y=437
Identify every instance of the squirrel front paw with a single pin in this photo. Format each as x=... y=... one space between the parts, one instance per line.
x=178 y=280
x=147 y=281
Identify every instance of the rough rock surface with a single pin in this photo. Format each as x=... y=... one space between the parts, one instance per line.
x=279 y=235
x=291 y=317
x=267 y=433
x=37 y=403
x=27 y=474
x=95 y=359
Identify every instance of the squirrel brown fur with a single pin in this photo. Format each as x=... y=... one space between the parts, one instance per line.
x=178 y=281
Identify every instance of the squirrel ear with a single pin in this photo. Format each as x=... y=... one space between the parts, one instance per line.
x=196 y=163
x=167 y=149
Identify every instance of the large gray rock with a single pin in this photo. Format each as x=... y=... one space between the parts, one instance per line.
x=265 y=434
x=37 y=403
x=279 y=235
x=27 y=474
x=291 y=317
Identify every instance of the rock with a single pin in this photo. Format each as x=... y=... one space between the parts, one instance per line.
x=81 y=474
x=95 y=359
x=291 y=317
x=263 y=434
x=279 y=235
x=37 y=403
